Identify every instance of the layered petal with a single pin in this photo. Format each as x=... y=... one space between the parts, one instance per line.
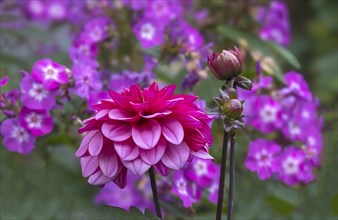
x=146 y=134
x=116 y=131
x=176 y=156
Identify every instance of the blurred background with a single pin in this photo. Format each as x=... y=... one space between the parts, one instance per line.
x=47 y=184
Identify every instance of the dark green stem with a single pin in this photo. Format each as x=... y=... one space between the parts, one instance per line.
x=222 y=177
x=232 y=175
x=155 y=194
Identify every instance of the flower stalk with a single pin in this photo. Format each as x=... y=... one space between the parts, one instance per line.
x=227 y=66
x=154 y=190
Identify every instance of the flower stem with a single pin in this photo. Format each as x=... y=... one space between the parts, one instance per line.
x=232 y=175
x=154 y=189
x=222 y=177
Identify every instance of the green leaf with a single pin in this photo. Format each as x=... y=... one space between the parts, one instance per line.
x=280 y=205
x=267 y=48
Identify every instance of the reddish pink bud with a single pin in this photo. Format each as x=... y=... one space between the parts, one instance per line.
x=227 y=64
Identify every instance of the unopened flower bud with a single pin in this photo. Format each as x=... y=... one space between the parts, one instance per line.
x=227 y=64
x=243 y=82
x=233 y=108
x=232 y=93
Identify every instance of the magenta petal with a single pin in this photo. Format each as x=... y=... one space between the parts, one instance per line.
x=109 y=164
x=116 y=131
x=89 y=164
x=121 y=179
x=167 y=92
x=153 y=156
x=137 y=166
x=146 y=134
x=98 y=178
x=162 y=169
x=101 y=114
x=176 y=156
x=172 y=130
x=123 y=115
x=84 y=143
x=202 y=153
x=156 y=114
x=95 y=144
x=127 y=150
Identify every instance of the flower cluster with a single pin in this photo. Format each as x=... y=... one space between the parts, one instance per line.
x=137 y=129
x=291 y=113
x=188 y=184
x=275 y=22
x=32 y=118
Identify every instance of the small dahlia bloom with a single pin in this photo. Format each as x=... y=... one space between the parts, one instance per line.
x=35 y=95
x=49 y=73
x=145 y=128
x=37 y=122
x=15 y=137
x=262 y=158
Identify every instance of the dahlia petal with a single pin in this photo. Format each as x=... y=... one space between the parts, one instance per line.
x=89 y=164
x=172 y=130
x=109 y=164
x=156 y=114
x=84 y=144
x=166 y=92
x=123 y=115
x=188 y=121
x=153 y=156
x=98 y=178
x=119 y=99
x=137 y=166
x=102 y=113
x=127 y=150
x=176 y=156
x=202 y=153
x=95 y=144
x=116 y=131
x=121 y=179
x=162 y=169
x=146 y=134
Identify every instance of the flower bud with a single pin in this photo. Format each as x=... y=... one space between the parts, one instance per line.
x=243 y=82
x=233 y=108
x=227 y=64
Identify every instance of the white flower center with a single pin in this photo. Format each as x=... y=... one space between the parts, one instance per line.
x=182 y=186
x=192 y=39
x=147 y=31
x=200 y=168
x=34 y=120
x=36 y=7
x=294 y=86
x=305 y=114
x=50 y=72
x=96 y=33
x=268 y=113
x=38 y=92
x=56 y=11
x=294 y=129
x=311 y=141
x=263 y=158
x=20 y=134
x=291 y=165
x=213 y=188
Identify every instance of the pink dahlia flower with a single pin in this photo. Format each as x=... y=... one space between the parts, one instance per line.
x=137 y=129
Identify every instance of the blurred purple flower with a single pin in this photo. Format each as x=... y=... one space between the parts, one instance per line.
x=15 y=137
x=49 y=73
x=37 y=122
x=4 y=80
x=96 y=30
x=183 y=189
x=262 y=158
x=149 y=32
x=86 y=80
x=35 y=95
x=294 y=167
